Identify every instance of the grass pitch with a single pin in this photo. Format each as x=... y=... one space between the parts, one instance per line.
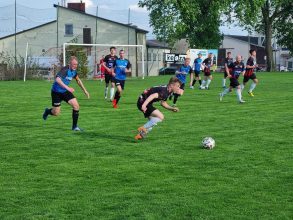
x=49 y=172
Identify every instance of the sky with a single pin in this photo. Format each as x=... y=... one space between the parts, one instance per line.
x=32 y=13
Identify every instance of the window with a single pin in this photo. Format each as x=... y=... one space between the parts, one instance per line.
x=159 y=57
x=154 y=57
x=149 y=57
x=68 y=29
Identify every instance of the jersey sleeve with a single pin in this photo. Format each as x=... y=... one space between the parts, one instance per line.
x=63 y=72
x=128 y=66
x=115 y=64
x=249 y=61
x=106 y=59
x=190 y=70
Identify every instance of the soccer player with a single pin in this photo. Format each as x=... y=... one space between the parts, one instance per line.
x=250 y=72
x=155 y=94
x=181 y=74
x=101 y=67
x=121 y=67
x=236 y=69
x=208 y=64
x=62 y=92
x=197 y=66
x=108 y=64
x=228 y=61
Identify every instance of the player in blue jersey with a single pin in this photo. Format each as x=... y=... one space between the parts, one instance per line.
x=121 y=67
x=62 y=92
x=228 y=61
x=208 y=64
x=234 y=70
x=181 y=74
x=197 y=67
x=108 y=65
x=155 y=94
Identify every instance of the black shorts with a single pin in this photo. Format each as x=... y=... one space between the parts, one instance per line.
x=196 y=72
x=150 y=107
x=120 y=83
x=234 y=82
x=247 y=78
x=108 y=78
x=58 y=97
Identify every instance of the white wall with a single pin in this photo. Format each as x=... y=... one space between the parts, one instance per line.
x=237 y=47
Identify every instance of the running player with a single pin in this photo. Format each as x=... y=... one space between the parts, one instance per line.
x=108 y=64
x=250 y=72
x=62 y=92
x=197 y=66
x=121 y=67
x=208 y=64
x=155 y=94
x=181 y=74
x=236 y=69
x=228 y=61
x=101 y=67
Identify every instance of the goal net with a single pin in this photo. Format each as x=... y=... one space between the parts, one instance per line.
x=90 y=55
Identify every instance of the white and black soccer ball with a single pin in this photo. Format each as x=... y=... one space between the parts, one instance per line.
x=208 y=143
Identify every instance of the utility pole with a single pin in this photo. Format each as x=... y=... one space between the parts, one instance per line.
x=95 y=62
x=15 y=29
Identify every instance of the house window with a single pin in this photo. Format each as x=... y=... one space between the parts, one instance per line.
x=159 y=57
x=154 y=57
x=149 y=57
x=68 y=29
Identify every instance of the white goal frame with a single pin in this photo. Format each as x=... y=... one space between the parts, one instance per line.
x=106 y=45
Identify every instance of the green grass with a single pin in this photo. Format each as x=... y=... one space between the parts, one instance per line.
x=49 y=172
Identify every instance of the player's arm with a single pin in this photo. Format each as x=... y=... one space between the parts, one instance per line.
x=79 y=82
x=167 y=106
x=62 y=84
x=148 y=100
x=227 y=70
x=128 y=68
x=248 y=64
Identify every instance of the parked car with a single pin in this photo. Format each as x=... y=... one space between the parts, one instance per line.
x=168 y=70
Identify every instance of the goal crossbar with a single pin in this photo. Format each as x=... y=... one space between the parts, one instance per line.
x=106 y=45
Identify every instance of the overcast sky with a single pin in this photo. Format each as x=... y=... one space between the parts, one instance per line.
x=35 y=12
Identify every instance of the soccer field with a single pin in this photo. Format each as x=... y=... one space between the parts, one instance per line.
x=49 y=172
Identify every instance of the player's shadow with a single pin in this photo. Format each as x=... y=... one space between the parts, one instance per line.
x=92 y=135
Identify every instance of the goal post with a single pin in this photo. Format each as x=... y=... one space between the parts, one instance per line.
x=136 y=56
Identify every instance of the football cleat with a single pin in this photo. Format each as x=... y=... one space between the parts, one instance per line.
x=221 y=96
x=241 y=101
x=45 y=114
x=250 y=94
x=114 y=103
x=77 y=129
x=191 y=87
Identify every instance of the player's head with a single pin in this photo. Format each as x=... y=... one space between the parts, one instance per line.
x=112 y=50
x=174 y=84
x=122 y=54
x=187 y=61
x=238 y=58
x=73 y=62
x=210 y=55
x=252 y=52
x=229 y=54
x=199 y=55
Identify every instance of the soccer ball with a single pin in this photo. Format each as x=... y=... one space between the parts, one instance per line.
x=208 y=143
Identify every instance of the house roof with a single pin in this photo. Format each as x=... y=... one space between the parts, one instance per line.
x=104 y=19
x=157 y=44
x=251 y=39
x=126 y=25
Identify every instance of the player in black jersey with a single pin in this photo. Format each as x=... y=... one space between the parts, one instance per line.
x=155 y=94
x=228 y=61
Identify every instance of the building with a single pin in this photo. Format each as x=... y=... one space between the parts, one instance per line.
x=155 y=56
x=73 y=24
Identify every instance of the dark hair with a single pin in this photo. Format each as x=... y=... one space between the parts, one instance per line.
x=121 y=50
x=250 y=51
x=229 y=52
x=112 y=48
x=174 y=80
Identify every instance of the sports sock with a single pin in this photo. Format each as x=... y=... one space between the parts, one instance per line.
x=224 y=82
x=238 y=93
x=241 y=86
x=203 y=83
x=106 y=92
x=227 y=90
x=117 y=96
x=112 y=93
x=193 y=82
x=208 y=82
x=252 y=87
x=75 y=115
x=151 y=123
x=175 y=98
x=199 y=82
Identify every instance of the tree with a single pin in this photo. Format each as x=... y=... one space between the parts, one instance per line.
x=197 y=21
x=273 y=18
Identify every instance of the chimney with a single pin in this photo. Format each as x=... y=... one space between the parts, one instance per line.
x=77 y=6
